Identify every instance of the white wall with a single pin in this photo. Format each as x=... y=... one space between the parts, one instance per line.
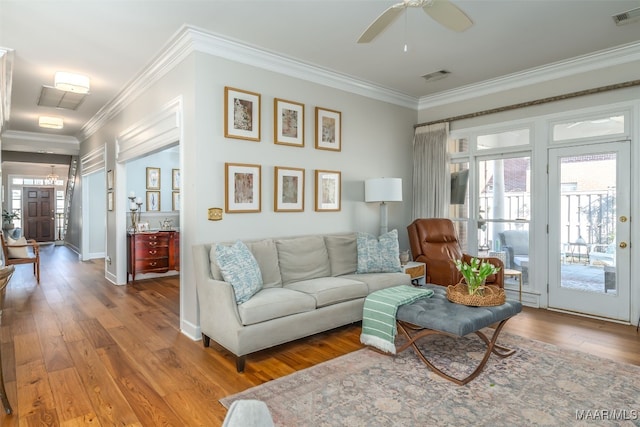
x=376 y=141
x=166 y=160
x=96 y=208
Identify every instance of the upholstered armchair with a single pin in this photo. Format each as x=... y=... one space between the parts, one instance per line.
x=434 y=241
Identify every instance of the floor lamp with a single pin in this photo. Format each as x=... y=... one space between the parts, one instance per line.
x=383 y=190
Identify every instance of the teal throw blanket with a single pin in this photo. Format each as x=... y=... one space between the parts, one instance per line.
x=379 y=315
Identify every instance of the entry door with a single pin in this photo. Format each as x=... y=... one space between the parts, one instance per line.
x=589 y=230
x=39 y=213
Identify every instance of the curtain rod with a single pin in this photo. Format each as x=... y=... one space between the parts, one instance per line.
x=536 y=102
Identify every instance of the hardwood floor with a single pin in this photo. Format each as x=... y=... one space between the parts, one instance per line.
x=79 y=351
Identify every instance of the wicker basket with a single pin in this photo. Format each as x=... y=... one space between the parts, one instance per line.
x=493 y=295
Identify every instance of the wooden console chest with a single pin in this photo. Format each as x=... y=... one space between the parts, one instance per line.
x=152 y=252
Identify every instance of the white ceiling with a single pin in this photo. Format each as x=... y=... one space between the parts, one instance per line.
x=112 y=41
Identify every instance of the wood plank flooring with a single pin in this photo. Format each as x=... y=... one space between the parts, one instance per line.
x=79 y=351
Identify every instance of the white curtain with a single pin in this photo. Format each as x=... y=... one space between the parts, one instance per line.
x=431 y=186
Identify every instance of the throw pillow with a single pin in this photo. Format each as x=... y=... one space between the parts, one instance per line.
x=378 y=255
x=239 y=268
x=17 y=252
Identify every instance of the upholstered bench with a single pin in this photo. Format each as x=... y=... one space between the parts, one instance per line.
x=437 y=315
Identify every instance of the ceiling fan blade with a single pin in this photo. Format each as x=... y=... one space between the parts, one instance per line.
x=448 y=15
x=381 y=23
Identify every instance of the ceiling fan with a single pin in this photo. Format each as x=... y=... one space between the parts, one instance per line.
x=443 y=11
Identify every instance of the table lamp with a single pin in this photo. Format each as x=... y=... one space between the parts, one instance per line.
x=383 y=190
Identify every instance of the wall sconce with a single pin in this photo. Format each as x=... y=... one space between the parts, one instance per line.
x=383 y=190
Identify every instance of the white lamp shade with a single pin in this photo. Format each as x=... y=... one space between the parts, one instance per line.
x=71 y=82
x=383 y=190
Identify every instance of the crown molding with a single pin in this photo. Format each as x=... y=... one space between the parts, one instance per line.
x=241 y=52
x=594 y=61
x=18 y=135
x=189 y=39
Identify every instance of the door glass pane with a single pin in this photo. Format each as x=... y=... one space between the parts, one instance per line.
x=588 y=222
x=504 y=206
x=459 y=202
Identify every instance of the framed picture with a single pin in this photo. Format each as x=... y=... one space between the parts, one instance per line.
x=241 y=114
x=110 y=179
x=175 y=179
x=110 y=201
x=288 y=118
x=328 y=129
x=141 y=227
x=153 y=201
x=153 y=178
x=328 y=191
x=243 y=188
x=289 y=189
x=175 y=201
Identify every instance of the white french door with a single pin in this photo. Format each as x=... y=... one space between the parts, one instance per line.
x=589 y=230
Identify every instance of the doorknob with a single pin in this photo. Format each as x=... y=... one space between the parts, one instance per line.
x=623 y=245
x=623 y=218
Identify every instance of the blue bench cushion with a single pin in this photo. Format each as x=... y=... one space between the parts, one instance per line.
x=440 y=314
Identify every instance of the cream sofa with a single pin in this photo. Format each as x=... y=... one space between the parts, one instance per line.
x=310 y=285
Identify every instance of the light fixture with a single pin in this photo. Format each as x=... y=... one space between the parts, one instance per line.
x=50 y=122
x=52 y=177
x=383 y=190
x=70 y=82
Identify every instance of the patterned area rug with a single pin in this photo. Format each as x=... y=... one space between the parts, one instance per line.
x=539 y=385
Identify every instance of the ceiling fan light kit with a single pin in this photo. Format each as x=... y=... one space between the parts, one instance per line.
x=442 y=11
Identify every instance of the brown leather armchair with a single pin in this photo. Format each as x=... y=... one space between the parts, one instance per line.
x=434 y=241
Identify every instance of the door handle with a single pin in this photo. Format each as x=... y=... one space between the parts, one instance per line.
x=623 y=218
x=623 y=245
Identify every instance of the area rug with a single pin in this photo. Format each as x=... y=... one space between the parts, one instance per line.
x=539 y=385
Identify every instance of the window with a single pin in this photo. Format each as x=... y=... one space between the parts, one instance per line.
x=612 y=124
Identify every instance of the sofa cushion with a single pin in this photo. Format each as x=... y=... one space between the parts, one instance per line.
x=240 y=269
x=266 y=255
x=377 y=281
x=343 y=253
x=302 y=258
x=272 y=303
x=378 y=255
x=331 y=290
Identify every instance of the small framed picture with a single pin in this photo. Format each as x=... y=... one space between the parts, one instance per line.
x=153 y=178
x=241 y=114
x=141 y=227
x=288 y=117
x=153 y=201
x=175 y=201
x=110 y=201
x=175 y=179
x=328 y=129
x=243 y=188
x=110 y=179
x=289 y=189
x=328 y=191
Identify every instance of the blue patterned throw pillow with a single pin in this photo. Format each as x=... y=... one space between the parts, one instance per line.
x=239 y=268
x=378 y=255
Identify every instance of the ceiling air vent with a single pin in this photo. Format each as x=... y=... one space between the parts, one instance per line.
x=52 y=97
x=436 y=75
x=627 y=17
